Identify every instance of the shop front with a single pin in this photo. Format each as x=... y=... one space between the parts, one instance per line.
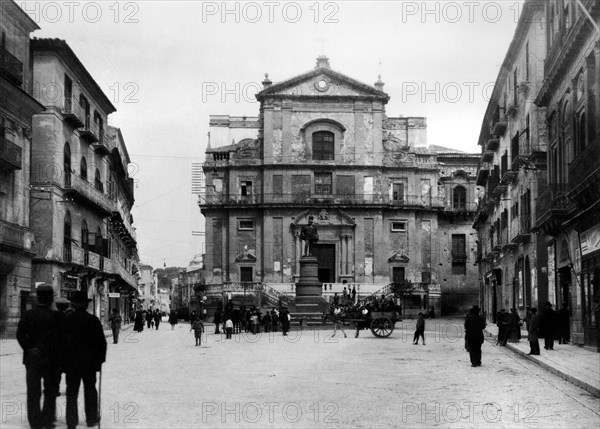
x=590 y=286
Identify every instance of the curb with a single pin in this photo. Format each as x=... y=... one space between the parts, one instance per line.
x=577 y=382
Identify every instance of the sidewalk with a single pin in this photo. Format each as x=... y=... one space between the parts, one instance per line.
x=10 y=346
x=575 y=364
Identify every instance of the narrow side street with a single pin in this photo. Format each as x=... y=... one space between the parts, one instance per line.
x=308 y=379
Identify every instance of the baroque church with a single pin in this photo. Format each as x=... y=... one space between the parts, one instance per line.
x=390 y=209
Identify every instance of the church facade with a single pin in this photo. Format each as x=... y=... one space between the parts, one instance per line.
x=390 y=209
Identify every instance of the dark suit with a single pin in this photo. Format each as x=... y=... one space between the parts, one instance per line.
x=85 y=347
x=39 y=335
x=474 y=326
x=285 y=321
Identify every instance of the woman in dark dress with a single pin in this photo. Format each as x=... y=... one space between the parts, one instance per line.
x=138 y=324
x=173 y=319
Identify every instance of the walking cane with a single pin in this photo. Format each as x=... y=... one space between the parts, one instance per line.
x=100 y=399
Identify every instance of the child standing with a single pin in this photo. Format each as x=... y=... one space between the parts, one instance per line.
x=198 y=328
x=337 y=322
x=228 y=328
x=420 y=331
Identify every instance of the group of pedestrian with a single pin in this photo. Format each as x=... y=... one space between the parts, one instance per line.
x=235 y=320
x=152 y=319
x=509 y=326
x=548 y=325
x=55 y=342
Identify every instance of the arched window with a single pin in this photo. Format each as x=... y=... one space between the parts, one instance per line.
x=98 y=181
x=323 y=145
x=459 y=198
x=83 y=168
x=67 y=237
x=67 y=163
x=84 y=235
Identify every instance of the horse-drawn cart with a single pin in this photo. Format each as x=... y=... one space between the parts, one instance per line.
x=381 y=323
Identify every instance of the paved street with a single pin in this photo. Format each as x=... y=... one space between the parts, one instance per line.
x=159 y=379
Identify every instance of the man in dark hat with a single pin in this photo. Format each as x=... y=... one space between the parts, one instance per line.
x=474 y=326
x=39 y=335
x=85 y=353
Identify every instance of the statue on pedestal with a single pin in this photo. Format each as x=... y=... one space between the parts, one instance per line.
x=310 y=236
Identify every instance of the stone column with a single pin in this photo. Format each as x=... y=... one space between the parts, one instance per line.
x=298 y=246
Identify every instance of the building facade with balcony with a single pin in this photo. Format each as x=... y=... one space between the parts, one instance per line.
x=568 y=212
x=16 y=111
x=322 y=146
x=81 y=196
x=512 y=176
x=147 y=288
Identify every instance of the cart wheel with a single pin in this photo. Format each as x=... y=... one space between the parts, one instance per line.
x=382 y=327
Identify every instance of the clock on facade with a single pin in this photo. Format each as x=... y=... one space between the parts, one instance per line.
x=322 y=85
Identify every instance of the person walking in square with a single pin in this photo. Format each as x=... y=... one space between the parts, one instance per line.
x=228 y=328
x=39 y=335
x=85 y=352
x=157 y=318
x=274 y=319
x=150 y=319
x=532 y=332
x=266 y=320
x=474 y=326
x=198 y=328
x=420 y=329
x=337 y=322
x=284 y=318
x=548 y=326
x=173 y=319
x=501 y=323
x=218 y=319
x=564 y=328
x=115 y=324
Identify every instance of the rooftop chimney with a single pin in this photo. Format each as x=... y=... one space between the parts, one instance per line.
x=322 y=62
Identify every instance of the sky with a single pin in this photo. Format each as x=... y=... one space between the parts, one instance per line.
x=168 y=65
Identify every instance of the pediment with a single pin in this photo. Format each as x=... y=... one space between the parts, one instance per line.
x=398 y=257
x=322 y=82
x=324 y=218
x=245 y=256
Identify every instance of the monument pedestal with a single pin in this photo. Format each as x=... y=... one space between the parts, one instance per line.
x=309 y=289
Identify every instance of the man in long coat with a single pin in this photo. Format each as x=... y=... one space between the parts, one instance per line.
x=532 y=332
x=85 y=353
x=474 y=326
x=39 y=335
x=285 y=320
x=548 y=326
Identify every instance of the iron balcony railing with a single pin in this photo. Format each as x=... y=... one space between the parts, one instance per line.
x=554 y=199
x=308 y=198
x=11 y=67
x=15 y=236
x=90 y=130
x=11 y=154
x=77 y=184
x=73 y=112
x=584 y=164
